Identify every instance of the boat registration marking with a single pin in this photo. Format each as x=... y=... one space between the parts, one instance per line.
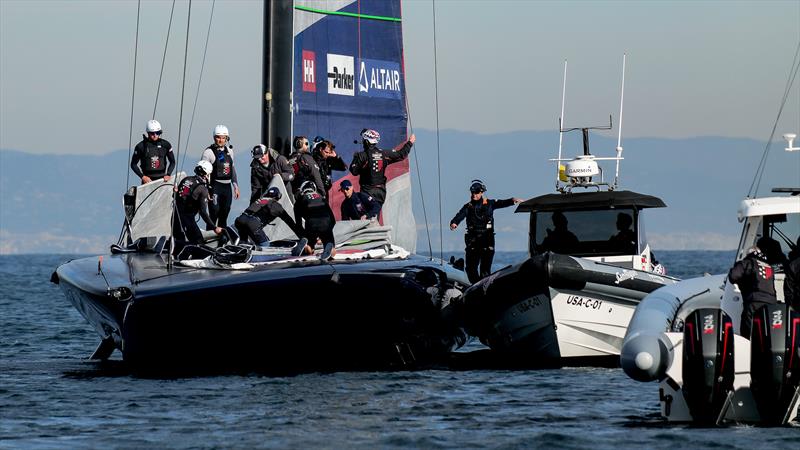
x=584 y=302
x=529 y=304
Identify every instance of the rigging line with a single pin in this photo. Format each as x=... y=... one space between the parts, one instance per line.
x=133 y=95
x=762 y=164
x=438 y=153
x=199 y=82
x=180 y=123
x=164 y=60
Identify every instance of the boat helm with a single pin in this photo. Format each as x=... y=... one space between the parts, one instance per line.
x=477 y=187
x=203 y=168
x=308 y=187
x=273 y=193
x=221 y=130
x=259 y=151
x=153 y=126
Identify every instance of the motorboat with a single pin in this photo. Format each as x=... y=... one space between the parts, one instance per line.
x=589 y=266
x=375 y=305
x=688 y=336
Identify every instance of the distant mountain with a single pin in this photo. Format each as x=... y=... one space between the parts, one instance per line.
x=73 y=203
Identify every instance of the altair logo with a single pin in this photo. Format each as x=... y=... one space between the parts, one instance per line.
x=377 y=78
x=341 y=78
x=309 y=65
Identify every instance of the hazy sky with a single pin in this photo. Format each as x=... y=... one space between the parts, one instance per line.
x=694 y=68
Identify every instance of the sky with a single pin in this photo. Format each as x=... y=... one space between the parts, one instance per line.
x=699 y=68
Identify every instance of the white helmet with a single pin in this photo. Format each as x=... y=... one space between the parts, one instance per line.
x=204 y=167
x=153 y=126
x=221 y=130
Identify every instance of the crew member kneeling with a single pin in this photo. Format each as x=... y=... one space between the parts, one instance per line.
x=250 y=224
x=192 y=199
x=319 y=219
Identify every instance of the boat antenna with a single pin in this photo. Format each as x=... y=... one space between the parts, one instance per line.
x=561 y=124
x=619 y=136
x=180 y=127
x=438 y=153
x=163 y=60
x=133 y=95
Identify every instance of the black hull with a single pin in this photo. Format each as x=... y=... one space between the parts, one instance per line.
x=340 y=316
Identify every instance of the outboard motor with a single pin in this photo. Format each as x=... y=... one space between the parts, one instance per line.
x=708 y=369
x=775 y=361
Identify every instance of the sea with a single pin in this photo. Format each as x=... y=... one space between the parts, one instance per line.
x=51 y=396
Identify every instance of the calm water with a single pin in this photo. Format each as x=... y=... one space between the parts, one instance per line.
x=51 y=397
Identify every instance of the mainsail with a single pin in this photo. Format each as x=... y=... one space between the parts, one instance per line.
x=348 y=75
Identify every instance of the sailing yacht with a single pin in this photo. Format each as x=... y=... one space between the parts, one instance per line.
x=331 y=68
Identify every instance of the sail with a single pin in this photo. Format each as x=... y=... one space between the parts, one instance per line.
x=348 y=75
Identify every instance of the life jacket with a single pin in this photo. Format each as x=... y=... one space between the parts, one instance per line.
x=154 y=159
x=223 y=163
x=375 y=175
x=759 y=282
x=480 y=217
x=263 y=209
x=186 y=189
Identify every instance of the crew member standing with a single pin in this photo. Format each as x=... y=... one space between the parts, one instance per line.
x=266 y=164
x=370 y=164
x=305 y=166
x=324 y=154
x=153 y=158
x=756 y=280
x=312 y=208
x=224 y=185
x=192 y=199
x=479 y=239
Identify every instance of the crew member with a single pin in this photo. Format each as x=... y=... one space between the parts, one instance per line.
x=791 y=284
x=261 y=213
x=756 y=280
x=559 y=239
x=266 y=164
x=357 y=205
x=479 y=239
x=153 y=158
x=224 y=185
x=192 y=199
x=370 y=164
x=625 y=238
x=305 y=167
x=324 y=154
x=319 y=220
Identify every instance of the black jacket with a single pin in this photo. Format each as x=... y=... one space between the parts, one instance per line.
x=315 y=211
x=370 y=164
x=306 y=169
x=267 y=210
x=156 y=159
x=755 y=277
x=326 y=166
x=359 y=204
x=192 y=198
x=480 y=220
x=261 y=175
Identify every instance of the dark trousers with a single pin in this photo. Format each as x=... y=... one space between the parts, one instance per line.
x=221 y=206
x=378 y=193
x=250 y=227
x=748 y=312
x=478 y=257
x=319 y=228
x=185 y=229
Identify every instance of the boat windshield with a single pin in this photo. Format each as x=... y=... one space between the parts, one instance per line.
x=585 y=233
x=781 y=232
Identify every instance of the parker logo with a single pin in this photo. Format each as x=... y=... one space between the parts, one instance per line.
x=341 y=78
x=309 y=74
x=708 y=324
x=378 y=78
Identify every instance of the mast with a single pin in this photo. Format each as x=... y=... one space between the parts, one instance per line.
x=276 y=92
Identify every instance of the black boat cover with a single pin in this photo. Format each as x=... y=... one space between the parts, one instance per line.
x=590 y=200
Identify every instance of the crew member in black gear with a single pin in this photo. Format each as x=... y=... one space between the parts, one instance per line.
x=319 y=220
x=266 y=164
x=261 y=213
x=324 y=154
x=479 y=238
x=192 y=199
x=756 y=280
x=224 y=184
x=370 y=164
x=305 y=166
x=357 y=205
x=791 y=284
x=153 y=158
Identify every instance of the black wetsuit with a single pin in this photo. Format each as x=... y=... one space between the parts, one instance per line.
x=756 y=280
x=222 y=178
x=359 y=204
x=258 y=215
x=479 y=238
x=261 y=175
x=192 y=199
x=153 y=159
x=319 y=219
x=370 y=165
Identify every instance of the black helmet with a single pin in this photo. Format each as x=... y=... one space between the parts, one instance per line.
x=273 y=192
x=259 y=151
x=477 y=186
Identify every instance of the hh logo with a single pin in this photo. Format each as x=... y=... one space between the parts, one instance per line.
x=309 y=77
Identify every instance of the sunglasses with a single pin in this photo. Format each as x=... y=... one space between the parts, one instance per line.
x=154 y=133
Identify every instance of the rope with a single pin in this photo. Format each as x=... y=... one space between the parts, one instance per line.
x=180 y=121
x=199 y=82
x=164 y=59
x=133 y=95
x=438 y=152
x=763 y=163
